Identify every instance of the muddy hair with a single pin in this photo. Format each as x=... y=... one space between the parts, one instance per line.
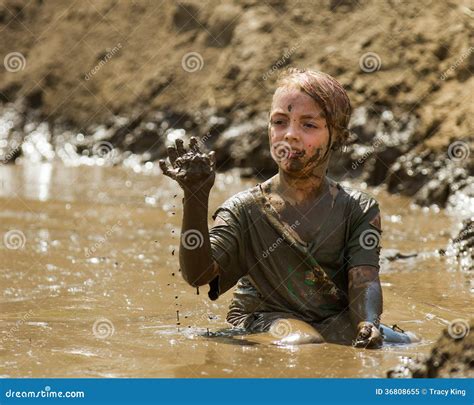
x=330 y=96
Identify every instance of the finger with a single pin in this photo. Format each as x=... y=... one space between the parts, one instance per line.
x=360 y=343
x=180 y=147
x=193 y=145
x=164 y=167
x=376 y=339
x=172 y=154
x=212 y=157
x=374 y=343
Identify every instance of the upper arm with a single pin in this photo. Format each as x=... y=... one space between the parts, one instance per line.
x=228 y=247
x=216 y=269
x=364 y=235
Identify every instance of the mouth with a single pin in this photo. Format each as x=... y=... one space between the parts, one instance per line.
x=294 y=154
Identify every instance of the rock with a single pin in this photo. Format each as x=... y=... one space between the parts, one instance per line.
x=407 y=175
x=452 y=356
x=246 y=145
x=186 y=17
x=221 y=25
x=438 y=190
x=462 y=246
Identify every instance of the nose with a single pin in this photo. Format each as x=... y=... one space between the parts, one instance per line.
x=292 y=132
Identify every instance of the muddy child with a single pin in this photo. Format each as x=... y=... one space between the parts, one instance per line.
x=302 y=249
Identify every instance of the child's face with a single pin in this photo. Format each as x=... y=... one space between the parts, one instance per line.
x=299 y=137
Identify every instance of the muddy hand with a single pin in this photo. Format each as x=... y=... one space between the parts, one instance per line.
x=368 y=336
x=193 y=170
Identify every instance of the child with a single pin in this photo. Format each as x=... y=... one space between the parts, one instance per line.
x=302 y=249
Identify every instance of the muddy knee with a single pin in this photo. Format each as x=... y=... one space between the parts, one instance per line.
x=293 y=332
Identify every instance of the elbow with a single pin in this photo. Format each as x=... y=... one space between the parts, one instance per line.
x=195 y=282
x=202 y=278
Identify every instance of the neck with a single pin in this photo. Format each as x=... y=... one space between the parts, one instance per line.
x=299 y=190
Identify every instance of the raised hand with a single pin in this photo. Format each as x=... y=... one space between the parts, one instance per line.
x=194 y=170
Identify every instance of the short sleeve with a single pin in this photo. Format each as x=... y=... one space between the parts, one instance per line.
x=365 y=231
x=228 y=247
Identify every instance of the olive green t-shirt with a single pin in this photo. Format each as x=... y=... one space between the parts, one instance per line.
x=278 y=272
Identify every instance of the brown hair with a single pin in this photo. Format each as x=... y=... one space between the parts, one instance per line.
x=329 y=94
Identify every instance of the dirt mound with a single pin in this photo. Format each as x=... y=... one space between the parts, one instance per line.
x=210 y=67
x=452 y=356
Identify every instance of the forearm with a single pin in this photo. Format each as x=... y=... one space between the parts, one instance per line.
x=365 y=296
x=195 y=255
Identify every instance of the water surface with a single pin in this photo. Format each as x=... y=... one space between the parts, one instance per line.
x=90 y=285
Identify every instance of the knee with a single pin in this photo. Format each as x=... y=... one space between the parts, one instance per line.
x=293 y=332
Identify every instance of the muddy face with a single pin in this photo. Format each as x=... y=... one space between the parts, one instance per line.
x=298 y=133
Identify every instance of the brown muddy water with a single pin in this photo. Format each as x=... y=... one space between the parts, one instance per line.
x=90 y=285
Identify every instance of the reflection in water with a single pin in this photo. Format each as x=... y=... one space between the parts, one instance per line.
x=36 y=180
x=95 y=289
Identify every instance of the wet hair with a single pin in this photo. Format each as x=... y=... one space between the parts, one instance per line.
x=330 y=96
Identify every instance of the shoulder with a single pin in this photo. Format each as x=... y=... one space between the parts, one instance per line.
x=239 y=202
x=358 y=200
x=362 y=209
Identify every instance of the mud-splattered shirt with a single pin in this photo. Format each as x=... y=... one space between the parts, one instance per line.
x=276 y=271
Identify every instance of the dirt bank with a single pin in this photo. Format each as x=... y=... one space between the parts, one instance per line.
x=128 y=72
x=452 y=356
